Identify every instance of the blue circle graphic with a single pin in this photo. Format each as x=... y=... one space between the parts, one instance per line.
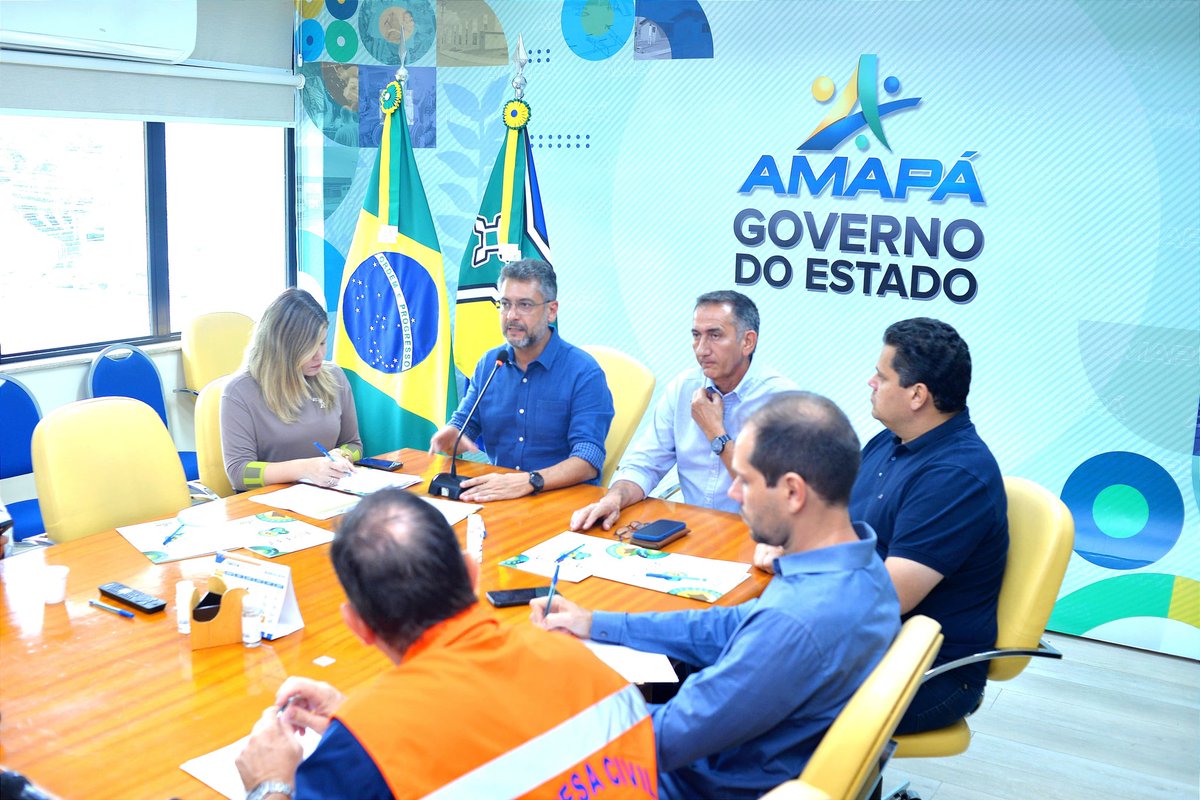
x=390 y=311
x=312 y=40
x=1162 y=496
x=342 y=9
x=596 y=29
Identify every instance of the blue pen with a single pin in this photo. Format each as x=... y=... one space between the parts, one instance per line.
x=559 y=560
x=325 y=452
x=554 y=581
x=113 y=609
x=667 y=577
x=174 y=535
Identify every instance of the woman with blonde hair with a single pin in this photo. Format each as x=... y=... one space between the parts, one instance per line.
x=287 y=398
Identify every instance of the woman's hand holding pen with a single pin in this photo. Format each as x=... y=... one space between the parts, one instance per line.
x=327 y=470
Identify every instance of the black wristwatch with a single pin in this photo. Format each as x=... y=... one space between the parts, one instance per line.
x=718 y=443
x=536 y=481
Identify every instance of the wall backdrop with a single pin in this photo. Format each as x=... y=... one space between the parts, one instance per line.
x=1028 y=172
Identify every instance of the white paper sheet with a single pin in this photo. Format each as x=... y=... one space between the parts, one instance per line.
x=635 y=666
x=219 y=770
x=543 y=558
x=454 y=511
x=704 y=579
x=311 y=501
x=269 y=533
x=148 y=539
x=364 y=481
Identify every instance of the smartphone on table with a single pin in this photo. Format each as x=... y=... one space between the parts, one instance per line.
x=379 y=463
x=506 y=598
x=658 y=534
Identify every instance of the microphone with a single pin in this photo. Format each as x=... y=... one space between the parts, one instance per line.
x=449 y=484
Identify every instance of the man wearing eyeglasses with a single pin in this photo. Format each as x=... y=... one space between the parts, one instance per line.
x=548 y=408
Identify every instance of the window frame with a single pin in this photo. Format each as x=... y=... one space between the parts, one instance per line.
x=157 y=260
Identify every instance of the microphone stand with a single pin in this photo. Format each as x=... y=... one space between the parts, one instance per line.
x=449 y=484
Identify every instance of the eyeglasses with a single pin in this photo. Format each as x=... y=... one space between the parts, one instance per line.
x=523 y=307
x=626 y=531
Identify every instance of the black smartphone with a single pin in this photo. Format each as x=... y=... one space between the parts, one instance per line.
x=506 y=598
x=379 y=463
x=658 y=534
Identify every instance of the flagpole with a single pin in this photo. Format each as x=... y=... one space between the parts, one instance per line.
x=520 y=58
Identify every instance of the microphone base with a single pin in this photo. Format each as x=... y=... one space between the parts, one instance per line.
x=446 y=485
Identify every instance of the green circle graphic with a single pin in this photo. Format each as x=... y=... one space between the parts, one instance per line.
x=1120 y=511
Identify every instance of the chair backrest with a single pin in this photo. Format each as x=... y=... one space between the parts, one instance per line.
x=124 y=370
x=210 y=458
x=846 y=763
x=1041 y=535
x=104 y=462
x=631 y=385
x=213 y=345
x=20 y=412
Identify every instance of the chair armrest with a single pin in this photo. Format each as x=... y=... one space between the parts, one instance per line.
x=1044 y=650
x=796 y=790
x=201 y=493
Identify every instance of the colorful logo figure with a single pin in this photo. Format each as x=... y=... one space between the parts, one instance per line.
x=860 y=90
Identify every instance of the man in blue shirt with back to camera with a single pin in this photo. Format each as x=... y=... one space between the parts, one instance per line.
x=698 y=416
x=773 y=672
x=548 y=408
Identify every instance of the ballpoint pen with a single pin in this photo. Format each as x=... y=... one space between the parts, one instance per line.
x=286 y=704
x=174 y=535
x=122 y=612
x=554 y=581
x=666 y=577
x=328 y=454
x=572 y=551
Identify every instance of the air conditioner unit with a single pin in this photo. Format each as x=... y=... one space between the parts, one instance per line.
x=162 y=31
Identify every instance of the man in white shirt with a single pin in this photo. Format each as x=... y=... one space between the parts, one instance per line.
x=698 y=416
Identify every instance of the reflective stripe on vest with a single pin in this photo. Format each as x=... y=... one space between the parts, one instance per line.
x=531 y=764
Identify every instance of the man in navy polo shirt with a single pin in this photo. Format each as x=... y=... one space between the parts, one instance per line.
x=934 y=494
x=548 y=408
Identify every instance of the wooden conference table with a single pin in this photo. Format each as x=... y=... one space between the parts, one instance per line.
x=94 y=705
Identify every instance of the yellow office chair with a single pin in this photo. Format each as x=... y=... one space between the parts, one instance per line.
x=213 y=345
x=848 y=763
x=631 y=385
x=104 y=462
x=210 y=458
x=1041 y=535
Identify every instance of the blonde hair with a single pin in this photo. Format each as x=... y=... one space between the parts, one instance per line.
x=285 y=336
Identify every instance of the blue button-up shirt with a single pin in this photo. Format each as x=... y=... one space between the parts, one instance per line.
x=939 y=500
x=558 y=407
x=674 y=439
x=775 y=673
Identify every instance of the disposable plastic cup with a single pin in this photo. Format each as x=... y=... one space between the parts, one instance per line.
x=54 y=583
x=183 y=606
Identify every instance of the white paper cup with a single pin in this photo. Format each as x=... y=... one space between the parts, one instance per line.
x=54 y=583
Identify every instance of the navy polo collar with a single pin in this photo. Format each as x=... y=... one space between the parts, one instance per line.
x=950 y=427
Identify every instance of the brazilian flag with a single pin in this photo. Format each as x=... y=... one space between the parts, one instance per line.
x=393 y=328
x=510 y=226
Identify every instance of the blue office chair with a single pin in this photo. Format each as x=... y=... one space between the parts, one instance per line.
x=20 y=412
x=123 y=370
